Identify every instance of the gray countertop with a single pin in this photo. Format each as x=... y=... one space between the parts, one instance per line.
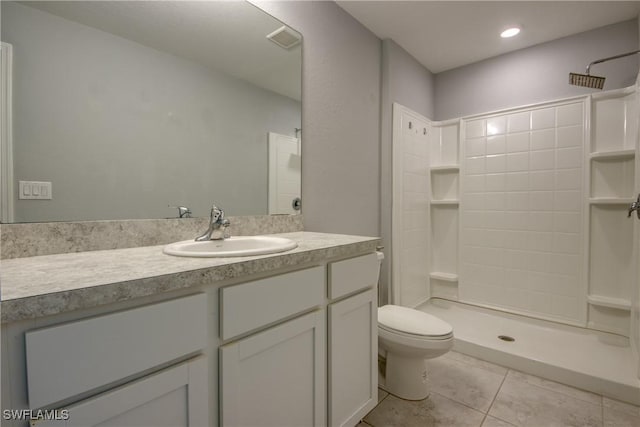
x=51 y=284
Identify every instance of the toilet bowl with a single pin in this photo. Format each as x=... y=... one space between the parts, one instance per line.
x=406 y=338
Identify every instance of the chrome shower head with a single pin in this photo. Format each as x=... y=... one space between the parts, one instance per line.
x=586 y=80
x=594 y=82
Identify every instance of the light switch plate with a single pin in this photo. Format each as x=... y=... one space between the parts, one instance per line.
x=35 y=190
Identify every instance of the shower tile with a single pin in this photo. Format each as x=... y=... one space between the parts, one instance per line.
x=496 y=144
x=496 y=163
x=473 y=201
x=496 y=125
x=540 y=241
x=543 y=139
x=540 y=221
x=475 y=129
x=571 y=114
x=494 y=201
x=569 y=179
x=467 y=384
x=565 y=264
x=541 y=180
x=519 y=122
x=473 y=236
x=570 y=136
x=569 y=158
x=586 y=396
x=494 y=422
x=517 y=201
x=475 y=165
x=475 y=147
x=515 y=239
x=518 y=162
x=524 y=404
x=495 y=182
x=517 y=142
x=542 y=160
x=517 y=181
x=541 y=200
x=543 y=119
x=473 y=183
x=567 y=201
x=436 y=410
x=568 y=243
x=517 y=221
x=567 y=222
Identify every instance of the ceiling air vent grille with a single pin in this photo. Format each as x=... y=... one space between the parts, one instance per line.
x=284 y=37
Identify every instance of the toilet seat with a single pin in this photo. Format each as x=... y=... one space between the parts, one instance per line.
x=412 y=323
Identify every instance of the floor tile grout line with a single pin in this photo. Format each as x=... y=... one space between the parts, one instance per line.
x=458 y=402
x=495 y=396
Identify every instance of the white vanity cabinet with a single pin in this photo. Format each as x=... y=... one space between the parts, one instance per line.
x=275 y=377
x=353 y=339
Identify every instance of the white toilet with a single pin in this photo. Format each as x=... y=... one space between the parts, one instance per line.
x=406 y=337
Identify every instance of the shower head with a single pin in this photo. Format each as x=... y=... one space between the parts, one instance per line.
x=594 y=82
x=586 y=80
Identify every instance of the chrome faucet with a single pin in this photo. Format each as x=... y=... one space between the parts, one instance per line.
x=217 y=226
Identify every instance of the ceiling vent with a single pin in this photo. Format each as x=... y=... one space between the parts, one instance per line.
x=285 y=37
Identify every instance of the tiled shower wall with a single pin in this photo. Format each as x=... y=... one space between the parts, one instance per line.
x=521 y=208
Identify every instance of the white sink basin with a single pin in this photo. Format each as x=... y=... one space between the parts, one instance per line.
x=233 y=246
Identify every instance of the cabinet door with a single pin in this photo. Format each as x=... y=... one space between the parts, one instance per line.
x=175 y=397
x=276 y=377
x=353 y=358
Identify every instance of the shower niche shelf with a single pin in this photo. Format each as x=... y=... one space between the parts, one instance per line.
x=610 y=200
x=617 y=303
x=444 y=184
x=613 y=155
x=450 y=202
x=445 y=277
x=445 y=168
x=614 y=121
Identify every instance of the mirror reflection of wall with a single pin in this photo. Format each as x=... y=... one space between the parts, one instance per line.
x=128 y=107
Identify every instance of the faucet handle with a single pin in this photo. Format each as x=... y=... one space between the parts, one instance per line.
x=183 y=211
x=216 y=213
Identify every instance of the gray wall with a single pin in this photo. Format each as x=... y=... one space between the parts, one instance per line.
x=538 y=73
x=123 y=130
x=406 y=81
x=341 y=116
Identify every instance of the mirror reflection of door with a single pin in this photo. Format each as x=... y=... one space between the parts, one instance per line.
x=284 y=173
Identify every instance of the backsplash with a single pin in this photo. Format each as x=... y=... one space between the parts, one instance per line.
x=33 y=239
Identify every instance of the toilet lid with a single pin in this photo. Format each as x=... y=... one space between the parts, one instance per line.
x=410 y=321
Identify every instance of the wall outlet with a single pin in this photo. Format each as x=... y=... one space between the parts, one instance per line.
x=35 y=190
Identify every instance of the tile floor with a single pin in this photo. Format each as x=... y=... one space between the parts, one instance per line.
x=470 y=392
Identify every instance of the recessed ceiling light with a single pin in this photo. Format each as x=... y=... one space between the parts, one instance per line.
x=510 y=32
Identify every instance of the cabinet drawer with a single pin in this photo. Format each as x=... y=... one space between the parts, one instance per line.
x=251 y=305
x=351 y=275
x=67 y=360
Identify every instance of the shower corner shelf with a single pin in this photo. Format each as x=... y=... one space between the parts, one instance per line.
x=445 y=277
x=450 y=202
x=602 y=301
x=613 y=155
x=445 y=168
x=610 y=200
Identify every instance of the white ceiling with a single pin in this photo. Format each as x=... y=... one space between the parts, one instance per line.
x=447 y=34
x=228 y=36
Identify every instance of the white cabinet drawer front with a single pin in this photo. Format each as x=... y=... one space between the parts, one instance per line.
x=255 y=304
x=351 y=275
x=174 y=397
x=70 y=359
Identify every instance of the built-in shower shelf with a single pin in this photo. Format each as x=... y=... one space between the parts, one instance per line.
x=611 y=200
x=445 y=277
x=619 y=303
x=612 y=155
x=445 y=168
x=451 y=202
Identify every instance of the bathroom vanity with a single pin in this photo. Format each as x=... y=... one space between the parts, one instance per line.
x=116 y=337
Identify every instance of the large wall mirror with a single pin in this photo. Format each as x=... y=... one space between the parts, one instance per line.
x=129 y=107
